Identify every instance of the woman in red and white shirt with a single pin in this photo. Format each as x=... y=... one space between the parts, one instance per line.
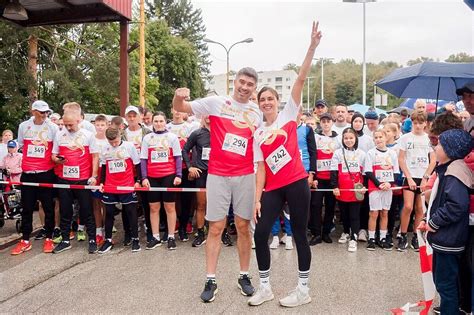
x=161 y=166
x=281 y=172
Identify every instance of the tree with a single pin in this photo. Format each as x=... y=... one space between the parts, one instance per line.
x=460 y=57
x=186 y=22
x=418 y=60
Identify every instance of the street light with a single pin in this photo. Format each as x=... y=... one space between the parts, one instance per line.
x=309 y=78
x=364 y=71
x=322 y=73
x=248 y=40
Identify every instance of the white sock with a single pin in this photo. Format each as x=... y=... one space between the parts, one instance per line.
x=371 y=234
x=244 y=273
x=383 y=234
x=98 y=231
x=211 y=277
x=80 y=227
x=264 y=278
x=157 y=236
x=303 y=279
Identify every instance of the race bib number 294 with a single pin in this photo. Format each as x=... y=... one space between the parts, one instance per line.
x=234 y=143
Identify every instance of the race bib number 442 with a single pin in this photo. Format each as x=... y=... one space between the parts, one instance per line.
x=235 y=144
x=278 y=159
x=36 y=151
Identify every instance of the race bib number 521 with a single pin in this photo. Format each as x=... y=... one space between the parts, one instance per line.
x=235 y=144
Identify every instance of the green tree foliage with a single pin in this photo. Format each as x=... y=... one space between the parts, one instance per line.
x=461 y=57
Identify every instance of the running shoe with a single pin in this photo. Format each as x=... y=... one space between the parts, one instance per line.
x=99 y=239
x=437 y=309
x=275 y=243
x=226 y=240
x=315 y=240
x=189 y=228
x=414 y=243
x=263 y=294
x=344 y=238
x=41 y=234
x=57 y=239
x=136 y=246
x=386 y=245
x=199 y=240
x=61 y=247
x=327 y=239
x=183 y=236
x=81 y=236
x=56 y=232
x=209 y=293
x=154 y=243
x=21 y=247
x=107 y=246
x=402 y=243
x=48 y=246
x=363 y=236
x=171 y=243
x=389 y=239
x=72 y=235
x=92 y=247
x=352 y=246
x=289 y=243
x=371 y=244
x=114 y=229
x=245 y=285
x=296 y=298
x=127 y=240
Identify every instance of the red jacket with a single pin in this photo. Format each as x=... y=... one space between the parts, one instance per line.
x=469 y=159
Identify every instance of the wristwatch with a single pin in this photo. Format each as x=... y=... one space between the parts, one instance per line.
x=426 y=177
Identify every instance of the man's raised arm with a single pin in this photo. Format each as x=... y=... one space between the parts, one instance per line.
x=180 y=101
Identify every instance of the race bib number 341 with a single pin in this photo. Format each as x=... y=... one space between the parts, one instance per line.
x=278 y=159
x=235 y=144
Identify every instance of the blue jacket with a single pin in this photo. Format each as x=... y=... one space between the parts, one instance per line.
x=449 y=212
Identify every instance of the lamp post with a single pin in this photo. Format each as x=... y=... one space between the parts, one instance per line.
x=322 y=73
x=309 y=78
x=364 y=71
x=227 y=51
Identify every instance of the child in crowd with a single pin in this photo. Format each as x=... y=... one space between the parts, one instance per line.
x=417 y=161
x=346 y=173
x=11 y=163
x=447 y=221
x=381 y=165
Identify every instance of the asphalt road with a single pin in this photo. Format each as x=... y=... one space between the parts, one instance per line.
x=160 y=281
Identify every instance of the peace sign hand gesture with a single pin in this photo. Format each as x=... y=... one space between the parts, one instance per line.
x=315 y=35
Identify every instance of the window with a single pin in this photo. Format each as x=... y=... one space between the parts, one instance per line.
x=269 y=80
x=288 y=79
x=278 y=88
x=288 y=87
x=278 y=79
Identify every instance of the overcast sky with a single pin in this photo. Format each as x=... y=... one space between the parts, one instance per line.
x=397 y=30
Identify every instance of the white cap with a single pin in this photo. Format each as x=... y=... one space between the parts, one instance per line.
x=55 y=115
x=131 y=108
x=40 y=106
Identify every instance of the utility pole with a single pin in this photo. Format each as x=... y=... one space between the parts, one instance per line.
x=142 y=55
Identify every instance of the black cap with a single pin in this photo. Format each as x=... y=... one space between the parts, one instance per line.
x=467 y=88
x=325 y=115
x=320 y=103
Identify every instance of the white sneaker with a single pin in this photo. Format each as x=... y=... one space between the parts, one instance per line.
x=263 y=294
x=253 y=243
x=289 y=243
x=352 y=246
x=283 y=239
x=295 y=298
x=363 y=236
x=344 y=238
x=275 y=242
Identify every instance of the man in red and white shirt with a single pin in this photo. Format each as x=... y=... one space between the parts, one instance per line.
x=233 y=121
x=36 y=136
x=76 y=152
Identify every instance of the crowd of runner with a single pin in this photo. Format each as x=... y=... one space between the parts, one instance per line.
x=263 y=169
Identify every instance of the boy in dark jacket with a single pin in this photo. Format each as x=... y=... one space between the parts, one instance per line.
x=447 y=219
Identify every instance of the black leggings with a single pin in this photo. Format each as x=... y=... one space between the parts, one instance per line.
x=129 y=211
x=317 y=208
x=350 y=212
x=297 y=195
x=185 y=200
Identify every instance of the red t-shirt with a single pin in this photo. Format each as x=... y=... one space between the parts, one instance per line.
x=232 y=126
x=77 y=148
x=160 y=149
x=277 y=146
x=348 y=176
x=384 y=165
x=119 y=166
x=37 y=143
x=325 y=147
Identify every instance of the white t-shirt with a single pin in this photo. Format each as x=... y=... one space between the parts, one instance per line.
x=3 y=150
x=417 y=153
x=339 y=130
x=365 y=142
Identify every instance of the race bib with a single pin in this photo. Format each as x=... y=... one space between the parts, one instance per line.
x=278 y=159
x=323 y=165
x=206 y=152
x=36 y=151
x=71 y=172
x=419 y=162
x=235 y=144
x=159 y=156
x=117 y=166
x=384 y=176
x=353 y=167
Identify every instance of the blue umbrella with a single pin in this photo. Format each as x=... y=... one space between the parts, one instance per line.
x=432 y=80
x=364 y=108
x=410 y=102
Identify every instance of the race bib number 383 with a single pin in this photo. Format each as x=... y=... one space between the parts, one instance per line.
x=159 y=156
x=36 y=151
x=71 y=172
x=235 y=144
x=278 y=159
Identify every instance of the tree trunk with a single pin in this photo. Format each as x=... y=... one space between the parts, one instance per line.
x=32 y=66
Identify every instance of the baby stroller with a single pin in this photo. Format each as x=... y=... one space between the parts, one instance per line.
x=10 y=204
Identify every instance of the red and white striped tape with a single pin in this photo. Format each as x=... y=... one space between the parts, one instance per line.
x=129 y=189
x=426 y=265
